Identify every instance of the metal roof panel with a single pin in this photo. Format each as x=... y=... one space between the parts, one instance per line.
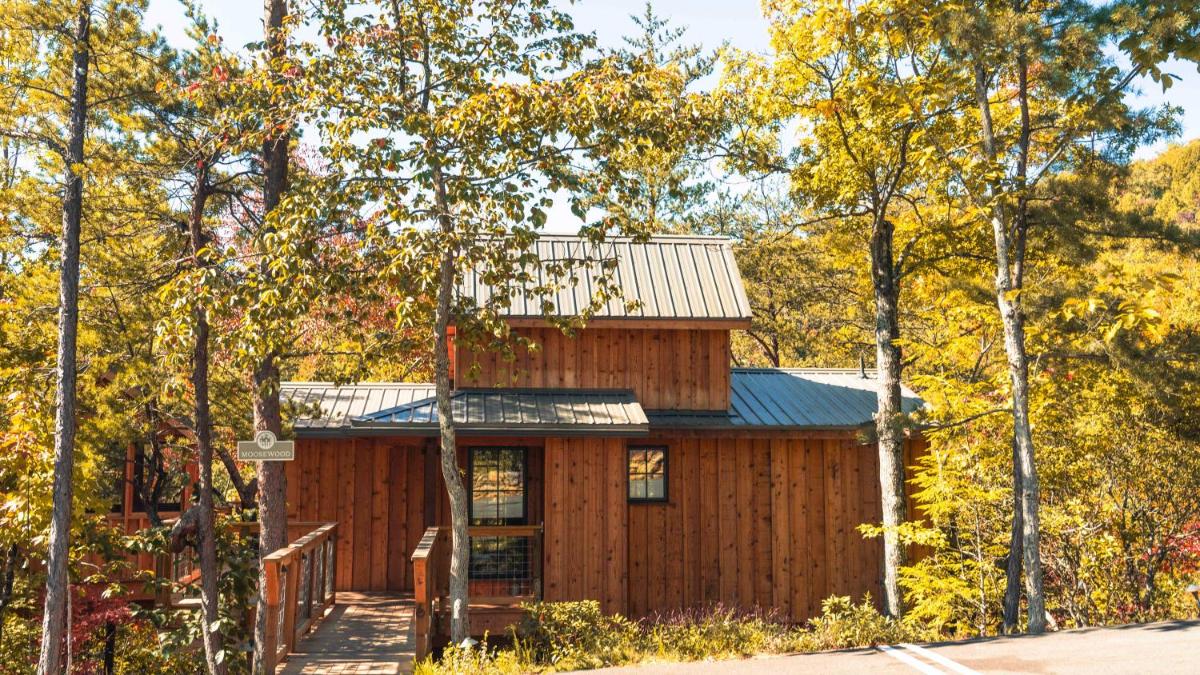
x=789 y=399
x=351 y=409
x=767 y=398
x=671 y=277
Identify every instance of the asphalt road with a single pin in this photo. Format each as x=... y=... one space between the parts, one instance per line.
x=1172 y=647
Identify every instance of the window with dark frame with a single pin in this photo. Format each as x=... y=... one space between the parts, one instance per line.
x=497 y=486
x=648 y=473
x=498 y=482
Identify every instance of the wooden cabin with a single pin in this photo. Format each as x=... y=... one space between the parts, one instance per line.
x=630 y=464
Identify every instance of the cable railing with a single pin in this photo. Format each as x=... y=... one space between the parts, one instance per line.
x=299 y=582
x=299 y=589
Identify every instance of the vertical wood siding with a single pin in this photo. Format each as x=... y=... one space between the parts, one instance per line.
x=585 y=521
x=750 y=522
x=683 y=369
x=383 y=493
x=374 y=489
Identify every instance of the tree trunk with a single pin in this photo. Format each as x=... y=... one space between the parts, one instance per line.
x=7 y=577
x=1030 y=494
x=272 y=482
x=272 y=490
x=1010 y=255
x=110 y=648
x=887 y=419
x=1013 y=313
x=150 y=465
x=1012 y=586
x=206 y=529
x=460 y=547
x=54 y=616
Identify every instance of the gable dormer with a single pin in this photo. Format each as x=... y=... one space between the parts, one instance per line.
x=671 y=347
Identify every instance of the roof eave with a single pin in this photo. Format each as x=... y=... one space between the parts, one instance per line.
x=660 y=427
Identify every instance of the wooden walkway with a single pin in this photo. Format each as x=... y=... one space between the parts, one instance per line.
x=365 y=633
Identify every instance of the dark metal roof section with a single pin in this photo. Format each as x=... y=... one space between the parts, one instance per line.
x=530 y=412
x=783 y=399
x=766 y=399
x=671 y=277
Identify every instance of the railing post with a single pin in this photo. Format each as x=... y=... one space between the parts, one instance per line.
x=271 y=597
x=535 y=566
x=292 y=585
x=427 y=563
x=422 y=618
x=331 y=569
x=318 y=585
x=312 y=586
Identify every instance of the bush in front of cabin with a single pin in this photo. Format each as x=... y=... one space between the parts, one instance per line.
x=576 y=635
x=476 y=660
x=715 y=632
x=178 y=631
x=563 y=636
x=843 y=625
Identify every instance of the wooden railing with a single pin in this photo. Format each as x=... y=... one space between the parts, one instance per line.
x=520 y=579
x=300 y=577
x=138 y=565
x=431 y=577
x=183 y=571
x=300 y=588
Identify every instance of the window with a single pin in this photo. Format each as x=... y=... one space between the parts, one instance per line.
x=499 y=564
x=648 y=474
x=497 y=486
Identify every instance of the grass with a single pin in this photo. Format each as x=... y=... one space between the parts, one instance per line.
x=565 y=636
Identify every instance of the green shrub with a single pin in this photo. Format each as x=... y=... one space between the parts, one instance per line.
x=562 y=636
x=843 y=625
x=140 y=651
x=20 y=637
x=179 y=632
x=715 y=633
x=478 y=660
x=576 y=635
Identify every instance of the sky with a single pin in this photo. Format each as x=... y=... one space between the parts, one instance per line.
x=708 y=22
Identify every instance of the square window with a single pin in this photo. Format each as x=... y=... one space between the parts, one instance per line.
x=648 y=474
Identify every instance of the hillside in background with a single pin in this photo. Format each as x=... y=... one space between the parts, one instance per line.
x=1169 y=185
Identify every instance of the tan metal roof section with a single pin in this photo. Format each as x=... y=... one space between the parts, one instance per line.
x=321 y=406
x=672 y=278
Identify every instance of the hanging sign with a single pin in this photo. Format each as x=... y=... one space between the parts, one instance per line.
x=266 y=448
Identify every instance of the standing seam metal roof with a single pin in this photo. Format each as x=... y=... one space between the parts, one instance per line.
x=768 y=399
x=672 y=277
x=324 y=409
x=790 y=399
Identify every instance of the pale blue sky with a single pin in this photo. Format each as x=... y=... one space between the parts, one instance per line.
x=709 y=22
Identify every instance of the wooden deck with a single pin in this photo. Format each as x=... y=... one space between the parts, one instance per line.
x=365 y=633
